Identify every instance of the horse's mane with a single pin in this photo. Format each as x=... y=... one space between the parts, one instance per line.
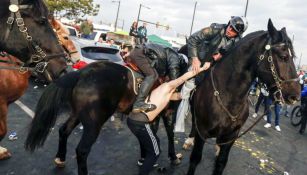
x=250 y=37
x=40 y=7
x=60 y=28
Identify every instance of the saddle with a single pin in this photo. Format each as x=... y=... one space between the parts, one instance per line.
x=138 y=77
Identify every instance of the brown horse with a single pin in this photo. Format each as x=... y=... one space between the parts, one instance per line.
x=14 y=81
x=63 y=35
x=13 y=85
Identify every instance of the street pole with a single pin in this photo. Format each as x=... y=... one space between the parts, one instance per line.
x=141 y=5
x=246 y=8
x=293 y=39
x=137 y=22
x=117 y=14
x=299 y=64
x=193 y=18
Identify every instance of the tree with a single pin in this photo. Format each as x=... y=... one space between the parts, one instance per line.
x=73 y=9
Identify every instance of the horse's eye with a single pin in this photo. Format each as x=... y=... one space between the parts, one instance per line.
x=43 y=20
x=65 y=37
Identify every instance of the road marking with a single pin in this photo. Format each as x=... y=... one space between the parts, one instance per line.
x=25 y=108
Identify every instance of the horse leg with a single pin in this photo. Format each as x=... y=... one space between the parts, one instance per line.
x=169 y=127
x=64 y=133
x=222 y=157
x=196 y=154
x=4 y=153
x=189 y=142
x=91 y=129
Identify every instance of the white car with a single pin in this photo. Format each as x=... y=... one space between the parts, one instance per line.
x=92 y=51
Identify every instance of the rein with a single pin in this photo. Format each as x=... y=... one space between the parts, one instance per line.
x=217 y=95
x=38 y=55
x=278 y=81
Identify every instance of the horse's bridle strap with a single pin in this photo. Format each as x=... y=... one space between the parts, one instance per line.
x=38 y=55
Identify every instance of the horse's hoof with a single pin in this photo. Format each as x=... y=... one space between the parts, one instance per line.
x=4 y=154
x=217 y=150
x=179 y=156
x=189 y=142
x=59 y=163
x=176 y=162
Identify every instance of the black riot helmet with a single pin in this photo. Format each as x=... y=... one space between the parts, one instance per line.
x=239 y=24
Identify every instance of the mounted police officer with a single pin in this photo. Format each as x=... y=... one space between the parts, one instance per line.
x=211 y=43
x=208 y=46
x=153 y=60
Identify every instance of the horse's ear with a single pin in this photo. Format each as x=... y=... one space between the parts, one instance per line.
x=284 y=29
x=272 y=31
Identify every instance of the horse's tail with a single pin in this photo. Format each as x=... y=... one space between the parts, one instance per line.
x=53 y=99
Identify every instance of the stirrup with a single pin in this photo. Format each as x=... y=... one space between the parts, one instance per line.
x=150 y=107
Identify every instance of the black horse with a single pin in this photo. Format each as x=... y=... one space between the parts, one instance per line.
x=220 y=104
x=26 y=33
x=91 y=95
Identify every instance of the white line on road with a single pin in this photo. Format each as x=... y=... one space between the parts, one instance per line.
x=25 y=108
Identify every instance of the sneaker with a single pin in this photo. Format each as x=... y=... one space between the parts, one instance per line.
x=277 y=128
x=265 y=117
x=254 y=115
x=141 y=161
x=268 y=125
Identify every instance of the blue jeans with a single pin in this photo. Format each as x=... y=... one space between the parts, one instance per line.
x=277 y=108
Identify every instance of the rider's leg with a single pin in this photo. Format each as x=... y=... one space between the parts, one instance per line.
x=151 y=75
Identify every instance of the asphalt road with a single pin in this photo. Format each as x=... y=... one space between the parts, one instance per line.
x=261 y=151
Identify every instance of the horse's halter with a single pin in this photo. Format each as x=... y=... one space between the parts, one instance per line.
x=38 y=55
x=68 y=51
x=277 y=95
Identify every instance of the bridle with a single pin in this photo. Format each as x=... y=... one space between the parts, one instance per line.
x=38 y=56
x=277 y=94
x=278 y=97
x=57 y=31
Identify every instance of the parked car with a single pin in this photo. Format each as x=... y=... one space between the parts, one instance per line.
x=92 y=51
x=98 y=34
x=72 y=31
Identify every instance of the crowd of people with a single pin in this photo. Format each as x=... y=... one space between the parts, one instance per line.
x=265 y=98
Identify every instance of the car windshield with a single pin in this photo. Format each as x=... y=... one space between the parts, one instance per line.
x=72 y=32
x=101 y=53
x=92 y=36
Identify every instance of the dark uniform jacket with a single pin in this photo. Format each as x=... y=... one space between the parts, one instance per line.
x=208 y=41
x=165 y=59
x=133 y=31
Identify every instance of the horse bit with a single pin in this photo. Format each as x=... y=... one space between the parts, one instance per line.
x=40 y=57
x=276 y=78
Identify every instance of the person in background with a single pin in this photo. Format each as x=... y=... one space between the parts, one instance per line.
x=277 y=108
x=142 y=34
x=263 y=97
x=134 y=33
x=86 y=28
x=100 y=40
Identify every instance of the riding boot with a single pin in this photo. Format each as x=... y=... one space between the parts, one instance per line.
x=139 y=104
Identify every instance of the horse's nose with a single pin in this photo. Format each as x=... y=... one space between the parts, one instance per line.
x=293 y=98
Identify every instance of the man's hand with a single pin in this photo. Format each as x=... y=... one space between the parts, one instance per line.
x=207 y=65
x=195 y=65
x=217 y=56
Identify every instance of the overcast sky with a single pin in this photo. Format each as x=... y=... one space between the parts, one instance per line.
x=291 y=14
